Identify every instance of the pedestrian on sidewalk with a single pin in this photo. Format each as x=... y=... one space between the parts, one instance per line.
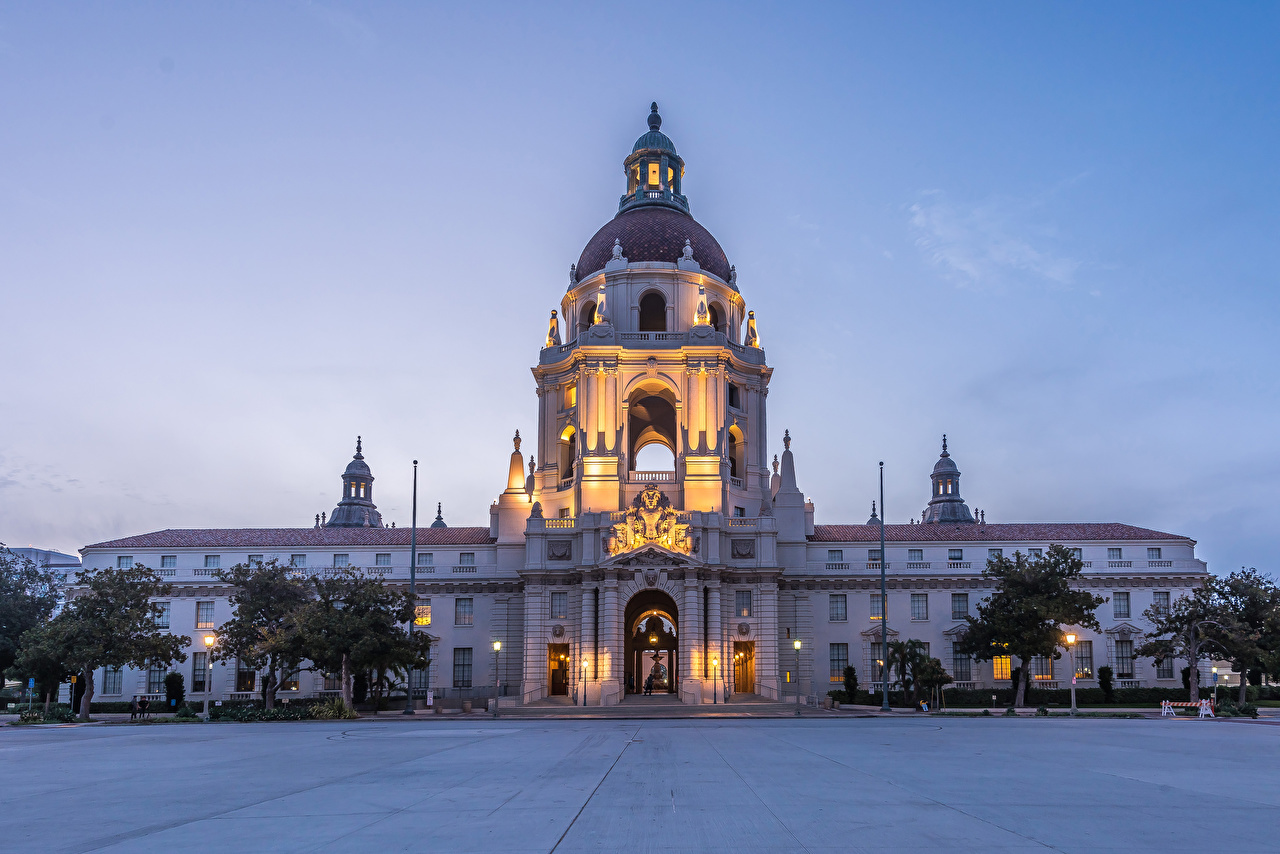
x=144 y=706
x=133 y=708
x=648 y=685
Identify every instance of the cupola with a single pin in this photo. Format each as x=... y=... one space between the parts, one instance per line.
x=946 y=505
x=654 y=170
x=356 y=509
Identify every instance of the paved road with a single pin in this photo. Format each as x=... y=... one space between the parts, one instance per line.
x=689 y=785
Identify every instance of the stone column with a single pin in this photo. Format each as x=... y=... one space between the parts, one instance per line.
x=534 y=683
x=690 y=641
x=612 y=669
x=611 y=407
x=715 y=646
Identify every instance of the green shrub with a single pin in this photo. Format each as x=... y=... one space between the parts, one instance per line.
x=186 y=713
x=1010 y=713
x=986 y=713
x=334 y=709
x=175 y=692
x=30 y=717
x=59 y=713
x=850 y=681
x=1105 y=675
x=1042 y=712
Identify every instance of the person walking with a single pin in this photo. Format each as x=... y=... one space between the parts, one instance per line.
x=144 y=706
x=133 y=708
x=648 y=685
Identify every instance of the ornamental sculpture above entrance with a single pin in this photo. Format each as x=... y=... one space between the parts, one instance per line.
x=650 y=520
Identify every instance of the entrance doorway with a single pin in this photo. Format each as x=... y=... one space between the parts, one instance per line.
x=744 y=667
x=652 y=660
x=558 y=664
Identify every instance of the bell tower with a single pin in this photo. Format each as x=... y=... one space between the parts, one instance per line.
x=659 y=349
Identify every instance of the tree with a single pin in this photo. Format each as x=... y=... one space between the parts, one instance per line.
x=931 y=675
x=110 y=621
x=28 y=595
x=40 y=657
x=906 y=657
x=355 y=623
x=1034 y=598
x=1253 y=600
x=1191 y=628
x=264 y=633
x=851 y=683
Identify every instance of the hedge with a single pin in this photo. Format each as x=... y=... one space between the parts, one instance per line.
x=981 y=697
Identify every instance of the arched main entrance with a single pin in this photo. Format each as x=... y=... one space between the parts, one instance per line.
x=651 y=644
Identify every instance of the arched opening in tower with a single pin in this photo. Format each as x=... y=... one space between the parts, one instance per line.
x=588 y=317
x=653 y=313
x=651 y=419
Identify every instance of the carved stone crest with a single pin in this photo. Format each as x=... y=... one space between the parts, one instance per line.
x=559 y=549
x=743 y=548
x=744 y=629
x=650 y=519
x=557 y=631
x=651 y=578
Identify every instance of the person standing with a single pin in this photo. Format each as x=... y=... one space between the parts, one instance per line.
x=133 y=708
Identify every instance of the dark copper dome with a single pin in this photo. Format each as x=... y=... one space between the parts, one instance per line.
x=653 y=233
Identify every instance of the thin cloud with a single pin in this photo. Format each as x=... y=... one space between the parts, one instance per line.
x=989 y=244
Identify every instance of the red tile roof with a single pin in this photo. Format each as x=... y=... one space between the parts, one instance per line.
x=253 y=538
x=1032 y=532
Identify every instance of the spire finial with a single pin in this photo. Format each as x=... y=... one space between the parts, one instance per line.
x=775 y=463
x=531 y=465
x=873 y=508
x=357 y=447
x=516 y=440
x=944 y=445
x=655 y=120
x=786 y=440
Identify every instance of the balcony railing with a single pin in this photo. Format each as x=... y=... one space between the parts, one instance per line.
x=741 y=522
x=959 y=564
x=566 y=522
x=735 y=481
x=651 y=476
x=875 y=564
x=964 y=686
x=167 y=573
x=566 y=482
x=1119 y=564
x=837 y=567
x=919 y=564
x=1164 y=563
x=464 y=569
x=1129 y=683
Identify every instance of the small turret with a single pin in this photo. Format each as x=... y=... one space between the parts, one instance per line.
x=946 y=505
x=356 y=509
x=439 y=521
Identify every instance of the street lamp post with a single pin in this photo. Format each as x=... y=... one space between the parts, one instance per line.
x=413 y=588
x=884 y=608
x=497 y=648
x=1215 y=688
x=208 y=672
x=1071 y=647
x=715 y=681
x=584 y=681
x=797 y=646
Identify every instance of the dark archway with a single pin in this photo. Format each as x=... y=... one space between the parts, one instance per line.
x=650 y=419
x=651 y=626
x=653 y=313
x=717 y=317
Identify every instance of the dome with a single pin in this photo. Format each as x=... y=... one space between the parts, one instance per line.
x=654 y=139
x=357 y=467
x=653 y=233
x=945 y=464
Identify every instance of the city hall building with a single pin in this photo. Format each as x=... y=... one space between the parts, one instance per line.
x=601 y=579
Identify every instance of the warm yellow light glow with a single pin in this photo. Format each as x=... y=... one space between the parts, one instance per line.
x=584 y=664
x=654 y=172
x=797 y=643
x=497 y=645
x=653 y=640
x=715 y=662
x=1215 y=670
x=1071 y=638
x=422 y=615
x=208 y=640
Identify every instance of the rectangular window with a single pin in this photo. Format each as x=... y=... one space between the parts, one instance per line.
x=112 y=680
x=1078 y=554
x=919 y=606
x=877 y=607
x=955 y=554
x=341 y=561
x=1120 y=604
x=915 y=555
x=742 y=603
x=204 y=615
x=839 y=661
x=1115 y=554
x=961 y=669
x=1084 y=659
x=289 y=681
x=162 y=617
x=1000 y=667
x=462 y=667
x=155 y=679
x=333 y=681
x=199 y=671
x=422 y=613
x=1160 y=602
x=959 y=606
x=559 y=606
x=995 y=554
x=212 y=561
x=739 y=512
x=426 y=559
x=463 y=612
x=255 y=560
x=564 y=512
x=124 y=562
x=654 y=173
x=382 y=560
x=1164 y=669
x=873 y=555
x=1042 y=668
x=571 y=395
x=299 y=561
x=1035 y=554
x=467 y=559
x=168 y=561
x=1153 y=554
x=835 y=555
x=246 y=676
x=1124 y=659
x=838 y=608
x=735 y=399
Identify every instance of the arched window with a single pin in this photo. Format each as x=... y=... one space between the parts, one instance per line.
x=715 y=317
x=568 y=452
x=653 y=313
x=588 y=317
x=733 y=456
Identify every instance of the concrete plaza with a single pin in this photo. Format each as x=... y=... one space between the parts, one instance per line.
x=733 y=785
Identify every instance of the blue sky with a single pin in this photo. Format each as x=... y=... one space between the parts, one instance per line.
x=233 y=236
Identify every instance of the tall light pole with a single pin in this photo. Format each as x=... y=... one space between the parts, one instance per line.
x=413 y=588
x=884 y=608
x=1071 y=646
x=715 y=681
x=584 y=680
x=797 y=646
x=497 y=648
x=209 y=641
